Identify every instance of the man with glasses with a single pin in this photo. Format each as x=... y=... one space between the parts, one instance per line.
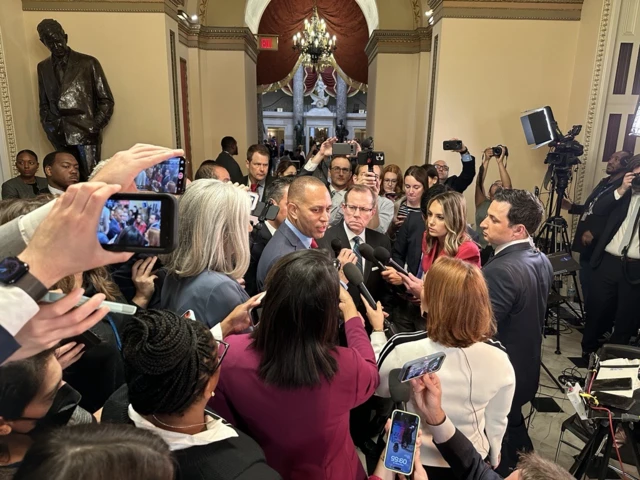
x=455 y=182
x=26 y=184
x=383 y=214
x=339 y=176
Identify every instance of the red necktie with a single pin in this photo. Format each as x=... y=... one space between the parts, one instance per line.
x=314 y=244
x=254 y=187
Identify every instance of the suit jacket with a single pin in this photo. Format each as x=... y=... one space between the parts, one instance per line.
x=460 y=183
x=519 y=280
x=284 y=241
x=615 y=211
x=372 y=275
x=267 y=182
x=74 y=112
x=464 y=459
x=228 y=162
x=407 y=249
x=259 y=238
x=321 y=172
x=16 y=188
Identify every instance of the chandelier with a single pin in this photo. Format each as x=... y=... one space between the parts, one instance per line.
x=314 y=44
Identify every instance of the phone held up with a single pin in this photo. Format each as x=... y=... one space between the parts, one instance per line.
x=421 y=366
x=401 y=445
x=452 y=145
x=348 y=149
x=166 y=177
x=139 y=222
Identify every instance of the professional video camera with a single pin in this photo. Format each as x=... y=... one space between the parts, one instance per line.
x=368 y=157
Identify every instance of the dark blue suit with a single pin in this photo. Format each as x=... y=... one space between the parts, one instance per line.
x=284 y=241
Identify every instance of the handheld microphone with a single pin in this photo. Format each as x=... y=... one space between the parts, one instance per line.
x=336 y=246
x=383 y=255
x=400 y=392
x=367 y=252
x=354 y=275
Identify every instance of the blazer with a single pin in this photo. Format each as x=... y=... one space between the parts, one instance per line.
x=407 y=249
x=615 y=211
x=16 y=188
x=372 y=275
x=304 y=432
x=468 y=251
x=259 y=237
x=228 y=162
x=464 y=459
x=460 y=183
x=74 y=112
x=519 y=280
x=267 y=182
x=211 y=295
x=284 y=241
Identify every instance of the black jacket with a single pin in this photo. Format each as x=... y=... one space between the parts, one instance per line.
x=464 y=460
x=267 y=182
x=460 y=183
x=407 y=249
x=259 y=237
x=519 y=280
x=321 y=172
x=228 y=162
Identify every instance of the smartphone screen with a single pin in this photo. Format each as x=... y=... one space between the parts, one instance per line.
x=165 y=177
x=421 y=366
x=139 y=222
x=401 y=445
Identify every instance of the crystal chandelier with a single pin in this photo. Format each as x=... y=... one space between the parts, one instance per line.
x=314 y=44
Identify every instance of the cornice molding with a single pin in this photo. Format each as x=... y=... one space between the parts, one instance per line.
x=219 y=38
x=399 y=41
x=170 y=7
x=507 y=9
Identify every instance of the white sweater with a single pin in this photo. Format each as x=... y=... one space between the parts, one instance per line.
x=483 y=382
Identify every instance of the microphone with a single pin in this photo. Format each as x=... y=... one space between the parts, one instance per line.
x=383 y=255
x=354 y=275
x=336 y=246
x=367 y=252
x=400 y=392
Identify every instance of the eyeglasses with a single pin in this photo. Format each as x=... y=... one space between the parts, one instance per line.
x=355 y=208
x=223 y=347
x=346 y=171
x=442 y=167
x=391 y=181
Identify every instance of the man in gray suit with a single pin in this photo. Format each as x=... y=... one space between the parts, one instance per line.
x=519 y=278
x=308 y=209
x=26 y=184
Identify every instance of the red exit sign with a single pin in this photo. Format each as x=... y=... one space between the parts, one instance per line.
x=268 y=42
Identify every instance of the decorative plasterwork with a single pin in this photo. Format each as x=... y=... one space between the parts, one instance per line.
x=417 y=13
x=219 y=38
x=7 y=116
x=170 y=7
x=399 y=41
x=507 y=9
x=202 y=9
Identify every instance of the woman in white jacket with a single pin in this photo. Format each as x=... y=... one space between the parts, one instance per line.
x=477 y=378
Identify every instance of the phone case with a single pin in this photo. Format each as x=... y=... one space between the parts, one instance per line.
x=394 y=442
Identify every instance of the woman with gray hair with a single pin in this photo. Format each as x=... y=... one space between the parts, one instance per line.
x=212 y=254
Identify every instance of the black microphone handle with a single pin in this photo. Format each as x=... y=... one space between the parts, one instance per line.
x=367 y=296
x=398 y=268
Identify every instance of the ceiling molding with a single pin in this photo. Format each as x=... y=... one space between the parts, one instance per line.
x=507 y=9
x=170 y=7
x=219 y=38
x=399 y=41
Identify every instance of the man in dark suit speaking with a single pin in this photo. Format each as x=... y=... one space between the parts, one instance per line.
x=258 y=178
x=308 y=209
x=519 y=278
x=75 y=100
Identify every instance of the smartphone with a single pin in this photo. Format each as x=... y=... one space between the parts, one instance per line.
x=452 y=145
x=348 y=149
x=255 y=198
x=124 y=309
x=139 y=222
x=87 y=338
x=421 y=366
x=401 y=444
x=255 y=312
x=615 y=401
x=166 y=177
x=612 y=384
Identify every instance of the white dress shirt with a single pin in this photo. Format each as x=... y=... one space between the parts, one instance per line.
x=623 y=235
x=528 y=240
x=352 y=243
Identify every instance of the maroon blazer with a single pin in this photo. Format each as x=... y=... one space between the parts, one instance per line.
x=305 y=432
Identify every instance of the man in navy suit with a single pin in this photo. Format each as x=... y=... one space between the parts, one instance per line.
x=519 y=278
x=308 y=209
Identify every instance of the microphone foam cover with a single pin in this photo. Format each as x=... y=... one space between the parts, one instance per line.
x=382 y=254
x=367 y=252
x=353 y=274
x=336 y=245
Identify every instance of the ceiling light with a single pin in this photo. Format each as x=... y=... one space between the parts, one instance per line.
x=429 y=13
x=194 y=17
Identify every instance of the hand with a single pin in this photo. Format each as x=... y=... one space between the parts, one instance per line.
x=463 y=149
x=503 y=156
x=419 y=472
x=626 y=183
x=488 y=153
x=143 y=278
x=376 y=317
x=427 y=398
x=242 y=283
x=399 y=220
x=347 y=307
x=69 y=353
x=587 y=238
x=66 y=243
x=414 y=285
x=242 y=188
x=566 y=204
x=391 y=276
x=239 y=319
x=326 y=149
x=368 y=179
x=57 y=321
x=123 y=167
x=358 y=147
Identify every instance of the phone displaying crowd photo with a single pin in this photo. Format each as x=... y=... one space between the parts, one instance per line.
x=165 y=177
x=401 y=444
x=139 y=222
x=421 y=366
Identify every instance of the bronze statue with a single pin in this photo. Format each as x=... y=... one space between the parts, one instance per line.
x=341 y=132
x=298 y=129
x=75 y=100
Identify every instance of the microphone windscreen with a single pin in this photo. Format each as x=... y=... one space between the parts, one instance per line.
x=336 y=246
x=353 y=274
x=367 y=252
x=382 y=254
x=400 y=392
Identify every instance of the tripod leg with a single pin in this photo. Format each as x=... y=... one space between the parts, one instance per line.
x=555 y=380
x=606 y=455
x=558 y=352
x=633 y=444
x=584 y=459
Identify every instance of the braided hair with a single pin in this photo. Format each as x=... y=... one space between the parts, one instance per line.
x=168 y=361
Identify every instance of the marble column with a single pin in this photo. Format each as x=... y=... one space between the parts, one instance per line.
x=341 y=101
x=298 y=97
x=260 y=120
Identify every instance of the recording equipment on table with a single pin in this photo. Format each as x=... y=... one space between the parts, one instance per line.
x=336 y=246
x=354 y=275
x=366 y=251
x=166 y=177
x=348 y=149
x=384 y=257
x=452 y=145
x=368 y=157
x=421 y=366
x=497 y=151
x=161 y=234
x=401 y=445
x=114 y=307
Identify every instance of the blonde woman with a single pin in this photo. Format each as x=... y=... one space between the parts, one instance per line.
x=212 y=254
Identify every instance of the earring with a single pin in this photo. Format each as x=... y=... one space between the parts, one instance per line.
x=213 y=394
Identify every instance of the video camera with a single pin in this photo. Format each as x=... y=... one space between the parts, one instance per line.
x=368 y=157
x=566 y=149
